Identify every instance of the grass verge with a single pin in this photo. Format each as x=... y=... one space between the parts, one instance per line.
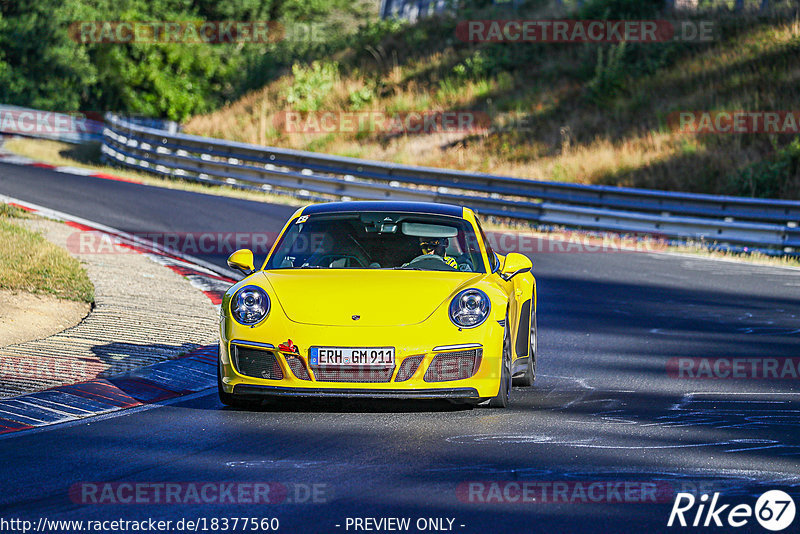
x=28 y=262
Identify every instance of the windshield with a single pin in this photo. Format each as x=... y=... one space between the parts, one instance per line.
x=378 y=240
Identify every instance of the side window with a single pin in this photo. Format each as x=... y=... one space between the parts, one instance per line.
x=493 y=263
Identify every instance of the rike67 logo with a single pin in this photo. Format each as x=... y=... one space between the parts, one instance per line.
x=774 y=510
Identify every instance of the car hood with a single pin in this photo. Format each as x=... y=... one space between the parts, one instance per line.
x=379 y=297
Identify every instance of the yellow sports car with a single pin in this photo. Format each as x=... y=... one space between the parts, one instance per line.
x=379 y=299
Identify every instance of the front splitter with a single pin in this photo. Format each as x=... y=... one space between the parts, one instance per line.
x=438 y=393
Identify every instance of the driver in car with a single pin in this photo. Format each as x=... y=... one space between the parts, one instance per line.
x=434 y=248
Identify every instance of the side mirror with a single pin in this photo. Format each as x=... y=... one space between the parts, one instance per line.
x=242 y=261
x=515 y=264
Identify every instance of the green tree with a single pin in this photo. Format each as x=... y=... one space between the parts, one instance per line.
x=40 y=65
x=45 y=65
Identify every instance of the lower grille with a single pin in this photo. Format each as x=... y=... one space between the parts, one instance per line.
x=454 y=365
x=298 y=369
x=408 y=368
x=348 y=374
x=256 y=363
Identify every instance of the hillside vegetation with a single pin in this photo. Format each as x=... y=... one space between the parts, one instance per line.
x=586 y=113
x=49 y=60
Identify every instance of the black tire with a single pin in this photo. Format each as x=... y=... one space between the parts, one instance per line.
x=527 y=379
x=228 y=399
x=503 y=398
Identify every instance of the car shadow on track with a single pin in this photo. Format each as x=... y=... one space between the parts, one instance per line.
x=311 y=405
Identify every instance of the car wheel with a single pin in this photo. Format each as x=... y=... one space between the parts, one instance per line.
x=527 y=379
x=228 y=399
x=503 y=398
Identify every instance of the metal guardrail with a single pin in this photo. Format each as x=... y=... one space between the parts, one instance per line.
x=412 y=10
x=762 y=223
x=66 y=127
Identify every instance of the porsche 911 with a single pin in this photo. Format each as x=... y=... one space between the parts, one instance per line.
x=399 y=300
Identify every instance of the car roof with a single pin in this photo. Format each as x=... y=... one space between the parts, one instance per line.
x=408 y=207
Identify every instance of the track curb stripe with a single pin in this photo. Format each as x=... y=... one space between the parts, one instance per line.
x=191 y=373
x=7 y=426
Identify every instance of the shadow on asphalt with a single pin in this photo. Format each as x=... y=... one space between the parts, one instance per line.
x=303 y=405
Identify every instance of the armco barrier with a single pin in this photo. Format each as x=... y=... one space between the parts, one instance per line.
x=762 y=223
x=67 y=127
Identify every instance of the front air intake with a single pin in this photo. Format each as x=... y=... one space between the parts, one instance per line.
x=449 y=366
x=408 y=368
x=296 y=365
x=256 y=363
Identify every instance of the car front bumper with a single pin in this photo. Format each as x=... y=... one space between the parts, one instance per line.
x=411 y=341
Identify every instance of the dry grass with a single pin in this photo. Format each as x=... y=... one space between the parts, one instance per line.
x=566 y=137
x=699 y=249
x=28 y=262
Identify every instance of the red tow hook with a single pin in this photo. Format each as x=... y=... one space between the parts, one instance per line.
x=288 y=347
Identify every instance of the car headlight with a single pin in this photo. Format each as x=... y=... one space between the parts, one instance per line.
x=250 y=305
x=470 y=308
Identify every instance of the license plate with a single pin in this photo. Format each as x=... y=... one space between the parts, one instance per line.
x=352 y=356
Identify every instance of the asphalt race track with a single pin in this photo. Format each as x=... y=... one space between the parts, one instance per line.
x=609 y=407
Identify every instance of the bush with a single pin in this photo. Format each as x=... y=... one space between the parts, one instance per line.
x=609 y=74
x=476 y=66
x=617 y=63
x=361 y=97
x=621 y=9
x=776 y=177
x=311 y=84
